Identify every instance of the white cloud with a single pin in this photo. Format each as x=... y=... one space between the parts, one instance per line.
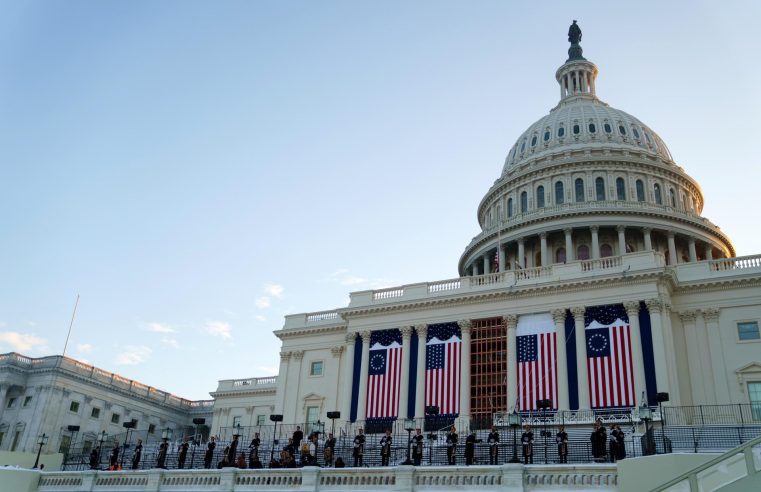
x=133 y=355
x=21 y=342
x=84 y=348
x=171 y=342
x=274 y=290
x=344 y=277
x=160 y=328
x=30 y=323
x=218 y=329
x=263 y=302
x=259 y=317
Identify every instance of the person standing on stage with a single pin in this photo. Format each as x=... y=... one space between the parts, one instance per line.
x=232 y=453
x=114 y=457
x=253 y=450
x=452 y=446
x=209 y=454
x=94 y=455
x=137 y=454
x=359 y=448
x=385 y=445
x=599 y=439
x=417 y=447
x=493 y=441
x=613 y=443
x=161 y=459
x=298 y=436
x=470 y=448
x=527 y=444
x=329 y=449
x=183 y=455
x=621 y=447
x=561 y=438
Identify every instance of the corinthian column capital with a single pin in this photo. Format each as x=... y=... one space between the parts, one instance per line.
x=558 y=315
x=406 y=332
x=465 y=325
x=422 y=331
x=654 y=305
x=578 y=312
x=511 y=320
x=632 y=308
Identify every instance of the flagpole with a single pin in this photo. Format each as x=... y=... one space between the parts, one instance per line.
x=65 y=345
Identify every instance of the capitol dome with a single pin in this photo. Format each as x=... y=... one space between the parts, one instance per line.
x=588 y=181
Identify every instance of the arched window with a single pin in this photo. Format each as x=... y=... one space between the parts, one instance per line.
x=622 y=130
x=560 y=255
x=640 y=191
x=540 y=197
x=600 y=189
x=635 y=133
x=559 y=195
x=592 y=128
x=579 y=186
x=509 y=207
x=582 y=252
x=533 y=141
x=546 y=135
x=524 y=202
x=620 y=189
x=607 y=128
x=657 y=193
x=605 y=250
x=523 y=146
x=561 y=131
x=576 y=129
x=672 y=197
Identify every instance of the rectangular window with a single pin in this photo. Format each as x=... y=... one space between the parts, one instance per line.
x=261 y=419
x=151 y=428
x=748 y=330
x=65 y=443
x=236 y=421
x=312 y=415
x=315 y=369
x=2 y=436
x=754 y=393
x=86 y=447
x=95 y=413
x=115 y=418
x=27 y=401
x=16 y=439
x=11 y=401
x=74 y=407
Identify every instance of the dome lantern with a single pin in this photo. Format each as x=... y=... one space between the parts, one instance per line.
x=577 y=75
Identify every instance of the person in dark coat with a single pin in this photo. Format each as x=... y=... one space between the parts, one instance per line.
x=470 y=448
x=208 y=456
x=599 y=439
x=358 y=452
x=253 y=450
x=161 y=459
x=621 y=445
x=561 y=439
x=385 y=447
x=94 y=455
x=417 y=447
x=137 y=454
x=223 y=462
x=298 y=436
x=527 y=445
x=340 y=463
x=452 y=446
x=493 y=441
x=613 y=444
x=329 y=449
x=232 y=454
x=114 y=457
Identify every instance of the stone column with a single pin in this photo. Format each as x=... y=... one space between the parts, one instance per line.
x=558 y=315
x=672 y=249
x=404 y=382
x=511 y=322
x=3 y=394
x=362 y=400
x=543 y=243
x=486 y=264
x=660 y=347
x=621 y=239
x=638 y=360
x=465 y=327
x=282 y=382
x=707 y=364
x=693 y=357
x=709 y=251
x=293 y=409
x=348 y=382
x=569 y=251
x=501 y=248
x=581 y=357
x=719 y=367
x=691 y=246
x=595 y=242
x=521 y=253
x=422 y=333
x=648 y=239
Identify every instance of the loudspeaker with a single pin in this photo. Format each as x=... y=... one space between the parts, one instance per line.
x=661 y=397
x=432 y=410
x=276 y=418
x=334 y=415
x=544 y=404
x=73 y=428
x=129 y=425
x=199 y=421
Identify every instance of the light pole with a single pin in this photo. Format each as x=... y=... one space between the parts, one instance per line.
x=129 y=426
x=73 y=429
x=409 y=426
x=514 y=419
x=320 y=429
x=333 y=416
x=41 y=441
x=431 y=411
x=660 y=398
x=544 y=405
x=196 y=440
x=275 y=419
x=103 y=437
x=646 y=415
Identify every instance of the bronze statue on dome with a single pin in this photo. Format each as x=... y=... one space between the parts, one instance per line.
x=574 y=33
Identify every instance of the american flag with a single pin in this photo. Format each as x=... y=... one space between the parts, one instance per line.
x=609 y=357
x=495 y=262
x=442 y=368
x=537 y=360
x=384 y=373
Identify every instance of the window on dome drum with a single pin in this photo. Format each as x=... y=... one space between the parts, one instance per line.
x=607 y=128
x=540 y=197
x=672 y=197
x=523 y=146
x=640 y=191
x=560 y=255
x=620 y=189
x=600 y=189
x=576 y=129
x=546 y=135
x=559 y=195
x=635 y=133
x=524 y=202
x=592 y=128
x=582 y=252
x=621 y=130
x=533 y=141
x=754 y=395
x=579 y=187
x=509 y=207
x=605 y=250
x=748 y=330
x=657 y=193
x=561 y=131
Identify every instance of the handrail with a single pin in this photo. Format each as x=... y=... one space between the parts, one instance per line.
x=691 y=475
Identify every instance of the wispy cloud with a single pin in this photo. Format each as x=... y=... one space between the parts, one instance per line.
x=21 y=342
x=84 y=348
x=274 y=290
x=30 y=323
x=345 y=277
x=263 y=302
x=170 y=342
x=259 y=317
x=218 y=329
x=134 y=355
x=159 y=328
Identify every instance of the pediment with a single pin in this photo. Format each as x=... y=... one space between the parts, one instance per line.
x=313 y=396
x=753 y=367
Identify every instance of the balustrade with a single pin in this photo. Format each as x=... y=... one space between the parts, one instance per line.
x=388 y=293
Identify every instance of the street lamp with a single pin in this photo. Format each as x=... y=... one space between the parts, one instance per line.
x=275 y=419
x=129 y=426
x=103 y=437
x=544 y=405
x=41 y=441
x=333 y=416
x=166 y=434
x=514 y=419
x=431 y=411
x=661 y=398
x=196 y=440
x=646 y=415
x=409 y=426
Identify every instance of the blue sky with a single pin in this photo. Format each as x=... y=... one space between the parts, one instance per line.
x=196 y=170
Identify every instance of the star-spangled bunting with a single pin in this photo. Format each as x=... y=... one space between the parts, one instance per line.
x=384 y=374
x=442 y=368
x=609 y=357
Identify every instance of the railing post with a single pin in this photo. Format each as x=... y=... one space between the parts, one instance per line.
x=404 y=478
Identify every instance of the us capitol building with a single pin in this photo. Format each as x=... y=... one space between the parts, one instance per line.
x=594 y=284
